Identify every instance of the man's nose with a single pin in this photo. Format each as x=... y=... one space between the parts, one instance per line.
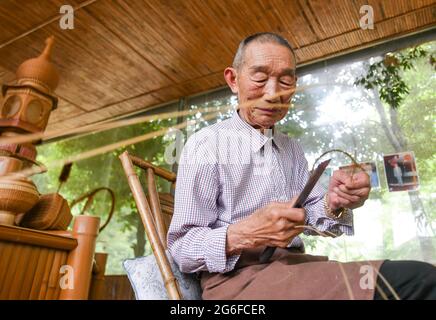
x=271 y=92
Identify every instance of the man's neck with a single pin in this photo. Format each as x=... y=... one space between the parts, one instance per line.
x=259 y=128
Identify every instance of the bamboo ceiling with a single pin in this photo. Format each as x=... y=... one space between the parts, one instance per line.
x=127 y=55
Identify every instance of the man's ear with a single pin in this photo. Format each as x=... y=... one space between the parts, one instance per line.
x=230 y=76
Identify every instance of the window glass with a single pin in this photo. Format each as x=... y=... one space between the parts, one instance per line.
x=124 y=237
x=330 y=112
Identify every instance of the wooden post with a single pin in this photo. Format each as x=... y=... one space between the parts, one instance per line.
x=85 y=230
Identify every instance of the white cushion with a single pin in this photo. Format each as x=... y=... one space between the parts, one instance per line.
x=147 y=282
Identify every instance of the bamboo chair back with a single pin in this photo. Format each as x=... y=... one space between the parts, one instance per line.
x=155 y=222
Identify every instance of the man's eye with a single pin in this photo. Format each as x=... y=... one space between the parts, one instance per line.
x=259 y=80
x=286 y=83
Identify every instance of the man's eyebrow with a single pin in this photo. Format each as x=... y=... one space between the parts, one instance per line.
x=285 y=72
x=288 y=72
x=259 y=68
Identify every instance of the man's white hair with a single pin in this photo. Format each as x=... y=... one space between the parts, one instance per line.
x=262 y=37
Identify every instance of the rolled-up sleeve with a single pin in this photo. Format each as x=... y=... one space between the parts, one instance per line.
x=192 y=241
x=314 y=205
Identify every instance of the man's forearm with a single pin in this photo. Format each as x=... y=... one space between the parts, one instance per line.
x=236 y=239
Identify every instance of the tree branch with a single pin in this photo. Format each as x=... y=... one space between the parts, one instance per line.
x=386 y=125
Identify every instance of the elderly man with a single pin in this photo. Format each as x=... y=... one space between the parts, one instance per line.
x=236 y=185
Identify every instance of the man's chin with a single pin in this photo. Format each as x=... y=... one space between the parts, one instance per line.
x=265 y=121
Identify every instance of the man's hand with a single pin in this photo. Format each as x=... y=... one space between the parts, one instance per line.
x=272 y=225
x=346 y=191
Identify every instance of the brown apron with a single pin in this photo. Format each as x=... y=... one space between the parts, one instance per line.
x=292 y=275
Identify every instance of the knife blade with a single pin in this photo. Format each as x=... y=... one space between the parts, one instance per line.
x=310 y=184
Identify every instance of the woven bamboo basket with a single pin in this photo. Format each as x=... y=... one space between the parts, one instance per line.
x=9 y=164
x=50 y=213
x=16 y=196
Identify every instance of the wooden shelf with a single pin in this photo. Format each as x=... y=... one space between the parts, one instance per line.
x=47 y=239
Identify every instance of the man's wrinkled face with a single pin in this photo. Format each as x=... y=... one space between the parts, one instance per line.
x=268 y=69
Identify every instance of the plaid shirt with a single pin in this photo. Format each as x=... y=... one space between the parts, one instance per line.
x=226 y=172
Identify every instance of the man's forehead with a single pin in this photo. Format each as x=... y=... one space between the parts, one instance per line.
x=268 y=55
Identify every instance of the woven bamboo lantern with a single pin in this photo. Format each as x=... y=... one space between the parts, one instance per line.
x=26 y=108
x=27 y=104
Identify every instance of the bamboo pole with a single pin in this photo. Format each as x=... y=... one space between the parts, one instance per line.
x=96 y=292
x=155 y=207
x=147 y=219
x=168 y=175
x=85 y=230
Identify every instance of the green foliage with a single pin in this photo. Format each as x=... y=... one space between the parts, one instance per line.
x=385 y=75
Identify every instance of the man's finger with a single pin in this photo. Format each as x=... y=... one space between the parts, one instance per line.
x=342 y=176
x=335 y=201
x=294 y=215
x=345 y=193
x=359 y=180
x=291 y=202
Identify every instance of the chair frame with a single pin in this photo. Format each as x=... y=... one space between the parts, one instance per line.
x=151 y=215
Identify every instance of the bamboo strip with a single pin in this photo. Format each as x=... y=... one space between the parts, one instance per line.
x=30 y=273
x=63 y=262
x=97 y=151
x=20 y=272
x=46 y=274
x=92 y=128
x=6 y=249
x=39 y=274
x=12 y=266
x=166 y=198
x=53 y=276
x=124 y=143
x=96 y=127
x=2 y=247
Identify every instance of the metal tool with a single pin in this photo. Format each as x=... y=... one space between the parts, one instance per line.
x=269 y=251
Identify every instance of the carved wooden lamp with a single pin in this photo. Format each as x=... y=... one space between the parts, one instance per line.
x=26 y=108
